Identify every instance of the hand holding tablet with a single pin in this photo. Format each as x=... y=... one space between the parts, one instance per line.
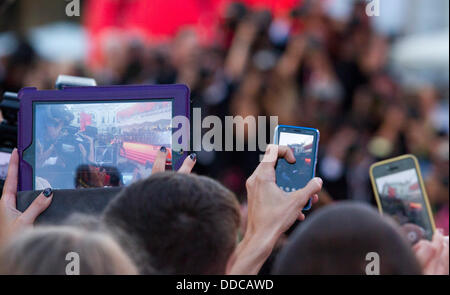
x=97 y=136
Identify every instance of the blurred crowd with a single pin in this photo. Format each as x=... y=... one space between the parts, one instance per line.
x=308 y=69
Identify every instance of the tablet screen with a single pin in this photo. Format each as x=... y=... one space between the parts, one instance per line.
x=98 y=144
x=4 y=162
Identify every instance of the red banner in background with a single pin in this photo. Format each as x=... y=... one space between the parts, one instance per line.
x=85 y=120
x=139 y=108
x=277 y=7
x=159 y=20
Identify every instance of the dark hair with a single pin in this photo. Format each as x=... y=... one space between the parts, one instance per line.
x=183 y=224
x=58 y=113
x=337 y=238
x=84 y=177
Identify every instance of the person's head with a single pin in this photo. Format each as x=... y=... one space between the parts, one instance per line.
x=87 y=176
x=338 y=239
x=89 y=222
x=114 y=176
x=183 y=224
x=50 y=250
x=55 y=118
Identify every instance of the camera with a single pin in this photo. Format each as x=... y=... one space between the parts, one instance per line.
x=9 y=106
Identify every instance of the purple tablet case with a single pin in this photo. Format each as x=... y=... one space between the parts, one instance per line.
x=179 y=94
x=90 y=201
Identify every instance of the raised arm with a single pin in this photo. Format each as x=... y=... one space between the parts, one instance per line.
x=271 y=212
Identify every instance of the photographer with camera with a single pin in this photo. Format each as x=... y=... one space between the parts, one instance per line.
x=60 y=147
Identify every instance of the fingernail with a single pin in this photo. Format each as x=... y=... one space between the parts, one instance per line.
x=47 y=192
x=163 y=149
x=193 y=156
x=319 y=180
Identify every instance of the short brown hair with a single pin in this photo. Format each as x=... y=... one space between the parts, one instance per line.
x=337 y=239
x=183 y=224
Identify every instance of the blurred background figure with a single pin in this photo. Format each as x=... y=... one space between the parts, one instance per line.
x=375 y=86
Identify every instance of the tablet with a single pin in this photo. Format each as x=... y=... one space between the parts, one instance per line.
x=89 y=202
x=86 y=137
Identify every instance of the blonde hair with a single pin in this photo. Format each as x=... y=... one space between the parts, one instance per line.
x=44 y=251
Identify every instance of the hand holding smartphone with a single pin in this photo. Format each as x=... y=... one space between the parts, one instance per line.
x=304 y=143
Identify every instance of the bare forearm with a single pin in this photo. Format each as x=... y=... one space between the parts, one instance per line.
x=251 y=254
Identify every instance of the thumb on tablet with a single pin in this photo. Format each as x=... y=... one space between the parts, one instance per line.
x=160 y=161
x=188 y=164
x=39 y=205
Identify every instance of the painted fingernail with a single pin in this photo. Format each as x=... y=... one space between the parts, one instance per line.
x=163 y=149
x=47 y=192
x=193 y=156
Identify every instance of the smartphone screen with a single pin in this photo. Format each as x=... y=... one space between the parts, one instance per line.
x=303 y=142
x=401 y=196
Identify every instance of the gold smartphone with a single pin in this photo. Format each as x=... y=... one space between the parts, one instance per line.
x=400 y=193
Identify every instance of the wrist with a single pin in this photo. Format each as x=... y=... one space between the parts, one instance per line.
x=251 y=254
x=262 y=242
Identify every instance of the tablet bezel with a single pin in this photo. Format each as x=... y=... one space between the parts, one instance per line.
x=178 y=93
